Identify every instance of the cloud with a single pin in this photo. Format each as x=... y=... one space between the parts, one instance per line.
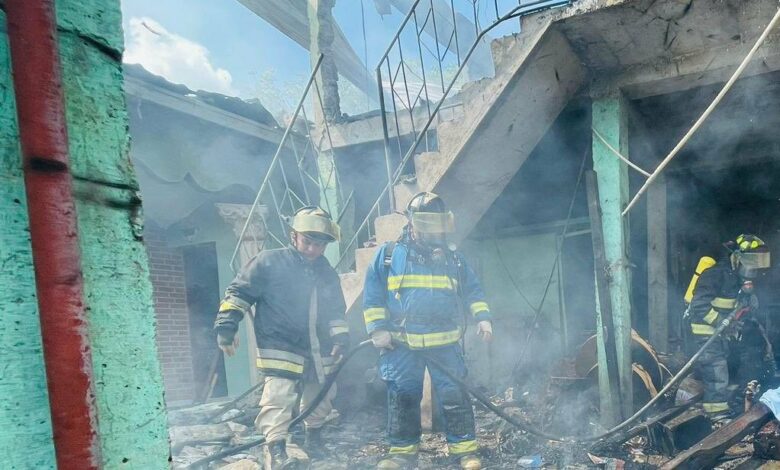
x=176 y=58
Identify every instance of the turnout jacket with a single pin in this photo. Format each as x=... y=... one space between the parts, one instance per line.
x=714 y=298
x=420 y=301
x=293 y=323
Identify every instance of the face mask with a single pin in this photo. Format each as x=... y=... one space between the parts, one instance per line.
x=751 y=265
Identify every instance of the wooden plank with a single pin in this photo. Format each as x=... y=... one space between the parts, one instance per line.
x=705 y=453
x=657 y=272
x=611 y=410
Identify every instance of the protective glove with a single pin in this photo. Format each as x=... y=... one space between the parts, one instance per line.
x=337 y=353
x=382 y=339
x=485 y=330
x=227 y=341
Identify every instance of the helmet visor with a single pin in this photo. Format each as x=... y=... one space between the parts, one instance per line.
x=433 y=222
x=752 y=264
x=317 y=227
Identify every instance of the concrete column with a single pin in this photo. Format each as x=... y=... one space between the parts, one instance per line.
x=657 y=268
x=25 y=418
x=131 y=418
x=326 y=107
x=243 y=364
x=610 y=119
x=321 y=34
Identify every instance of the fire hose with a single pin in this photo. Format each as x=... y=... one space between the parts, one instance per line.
x=485 y=401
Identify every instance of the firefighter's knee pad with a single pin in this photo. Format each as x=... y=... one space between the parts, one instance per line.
x=457 y=411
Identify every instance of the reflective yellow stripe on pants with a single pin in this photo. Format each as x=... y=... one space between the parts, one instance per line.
x=406 y=450
x=465 y=447
x=701 y=329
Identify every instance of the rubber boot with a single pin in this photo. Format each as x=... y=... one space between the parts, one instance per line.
x=398 y=462
x=313 y=443
x=276 y=457
x=470 y=462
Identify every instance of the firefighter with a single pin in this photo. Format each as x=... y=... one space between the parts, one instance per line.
x=417 y=292
x=725 y=286
x=299 y=325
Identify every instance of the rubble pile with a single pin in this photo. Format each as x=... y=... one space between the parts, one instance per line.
x=673 y=436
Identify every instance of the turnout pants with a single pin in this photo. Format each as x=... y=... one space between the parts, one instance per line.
x=278 y=403
x=403 y=370
x=745 y=352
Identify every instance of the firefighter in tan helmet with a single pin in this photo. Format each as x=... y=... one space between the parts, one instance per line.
x=299 y=326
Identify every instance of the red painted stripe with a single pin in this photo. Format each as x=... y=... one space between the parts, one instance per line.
x=52 y=214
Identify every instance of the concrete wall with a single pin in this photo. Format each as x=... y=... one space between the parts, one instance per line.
x=118 y=291
x=127 y=378
x=25 y=421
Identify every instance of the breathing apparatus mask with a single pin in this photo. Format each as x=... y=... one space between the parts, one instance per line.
x=430 y=223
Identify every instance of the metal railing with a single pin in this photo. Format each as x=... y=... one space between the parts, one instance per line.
x=422 y=65
x=302 y=173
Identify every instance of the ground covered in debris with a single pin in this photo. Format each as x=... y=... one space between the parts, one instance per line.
x=557 y=404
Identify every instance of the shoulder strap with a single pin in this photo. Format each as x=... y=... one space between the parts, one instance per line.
x=389 y=255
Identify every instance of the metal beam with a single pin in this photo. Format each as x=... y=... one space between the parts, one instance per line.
x=196 y=108
x=291 y=18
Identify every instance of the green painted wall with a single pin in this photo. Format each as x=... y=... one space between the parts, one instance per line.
x=118 y=291
x=25 y=424
x=128 y=382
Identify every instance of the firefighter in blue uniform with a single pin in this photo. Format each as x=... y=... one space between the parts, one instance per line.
x=725 y=286
x=299 y=325
x=417 y=291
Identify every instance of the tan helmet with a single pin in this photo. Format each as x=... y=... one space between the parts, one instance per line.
x=315 y=223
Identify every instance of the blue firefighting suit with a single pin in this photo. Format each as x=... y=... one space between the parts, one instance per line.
x=419 y=300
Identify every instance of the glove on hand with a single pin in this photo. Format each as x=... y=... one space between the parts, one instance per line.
x=227 y=342
x=382 y=339
x=485 y=330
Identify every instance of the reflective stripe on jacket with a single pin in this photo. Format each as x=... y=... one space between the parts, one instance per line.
x=280 y=284
x=418 y=300
x=714 y=298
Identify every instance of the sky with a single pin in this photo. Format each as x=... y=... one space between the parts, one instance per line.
x=221 y=46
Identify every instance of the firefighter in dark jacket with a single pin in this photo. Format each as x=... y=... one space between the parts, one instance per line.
x=725 y=286
x=415 y=291
x=299 y=325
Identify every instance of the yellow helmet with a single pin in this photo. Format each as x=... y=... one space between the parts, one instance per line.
x=316 y=223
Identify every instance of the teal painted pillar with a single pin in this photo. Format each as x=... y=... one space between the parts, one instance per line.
x=118 y=292
x=610 y=119
x=25 y=418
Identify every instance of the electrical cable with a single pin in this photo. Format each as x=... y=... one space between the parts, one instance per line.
x=706 y=113
x=598 y=437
